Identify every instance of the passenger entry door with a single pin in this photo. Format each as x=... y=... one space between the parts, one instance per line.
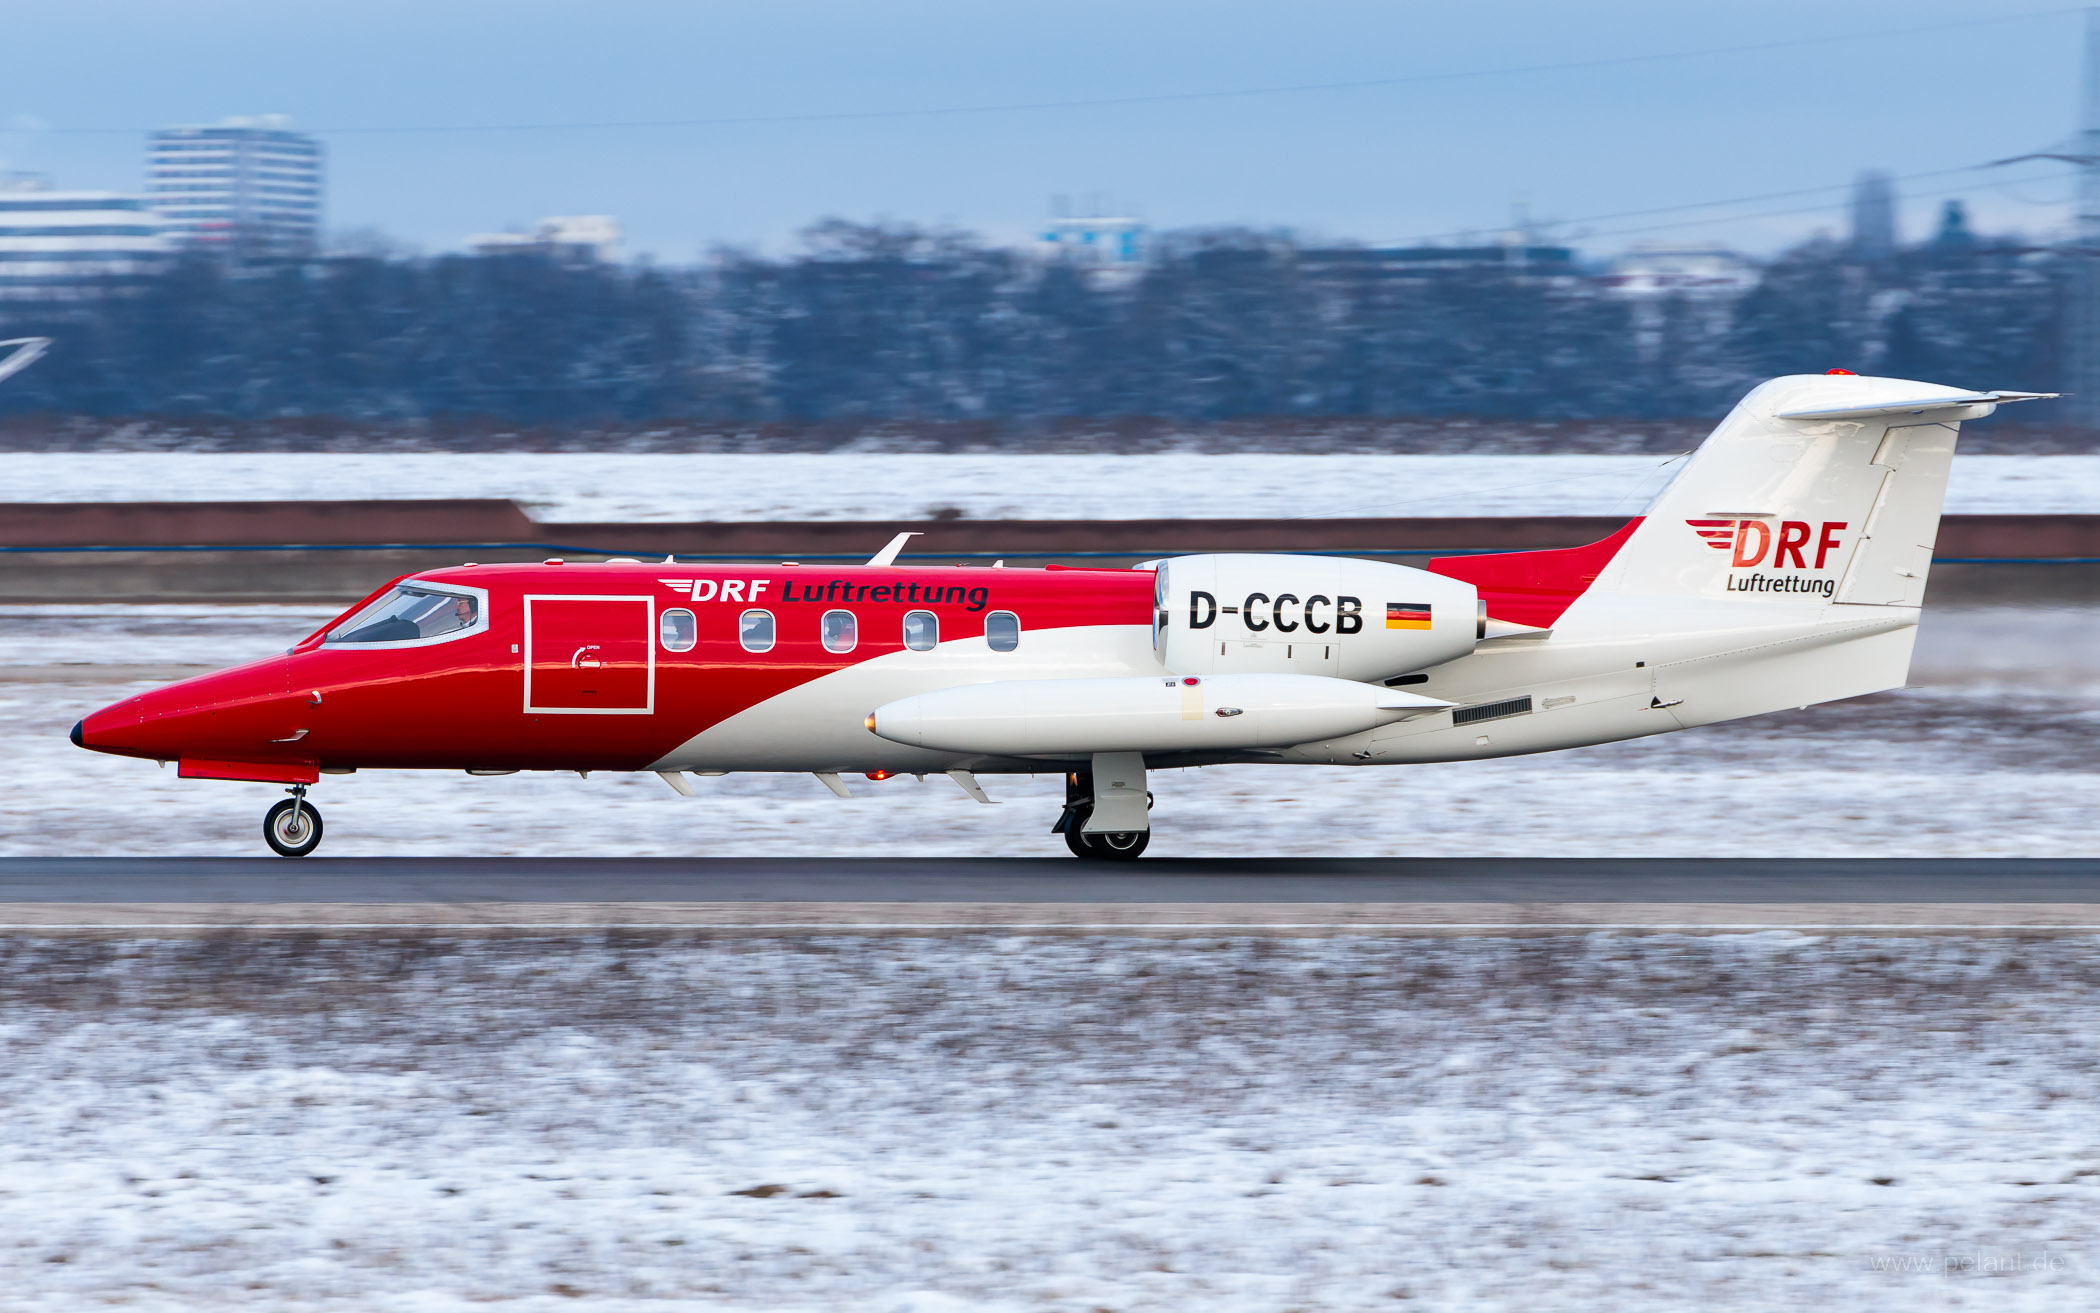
x=590 y=656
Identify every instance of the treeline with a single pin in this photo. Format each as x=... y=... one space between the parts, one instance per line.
x=890 y=323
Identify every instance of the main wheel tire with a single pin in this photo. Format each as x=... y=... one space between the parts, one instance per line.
x=1113 y=846
x=290 y=834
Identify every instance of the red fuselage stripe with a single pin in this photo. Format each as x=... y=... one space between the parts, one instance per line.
x=1534 y=588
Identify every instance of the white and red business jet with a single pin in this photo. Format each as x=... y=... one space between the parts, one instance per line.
x=1783 y=566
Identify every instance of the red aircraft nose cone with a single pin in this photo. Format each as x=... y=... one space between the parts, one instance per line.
x=106 y=730
x=233 y=714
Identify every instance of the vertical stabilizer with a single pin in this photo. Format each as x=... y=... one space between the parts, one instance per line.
x=1816 y=489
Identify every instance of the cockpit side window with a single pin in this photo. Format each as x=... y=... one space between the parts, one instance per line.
x=410 y=612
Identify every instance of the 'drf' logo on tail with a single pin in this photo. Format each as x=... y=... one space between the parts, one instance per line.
x=1750 y=542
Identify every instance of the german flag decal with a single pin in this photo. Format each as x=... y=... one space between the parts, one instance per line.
x=1407 y=615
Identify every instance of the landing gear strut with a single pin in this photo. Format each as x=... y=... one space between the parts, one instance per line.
x=293 y=828
x=1123 y=796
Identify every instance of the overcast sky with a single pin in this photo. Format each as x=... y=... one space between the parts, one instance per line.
x=1376 y=163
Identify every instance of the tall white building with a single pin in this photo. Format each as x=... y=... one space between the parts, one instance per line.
x=56 y=241
x=248 y=187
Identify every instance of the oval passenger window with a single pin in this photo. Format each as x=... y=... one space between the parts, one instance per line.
x=754 y=629
x=922 y=630
x=678 y=630
x=1002 y=631
x=838 y=631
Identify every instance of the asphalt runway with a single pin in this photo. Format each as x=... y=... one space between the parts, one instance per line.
x=1037 y=880
x=1398 y=895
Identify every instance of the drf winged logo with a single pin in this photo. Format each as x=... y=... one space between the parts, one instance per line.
x=1748 y=541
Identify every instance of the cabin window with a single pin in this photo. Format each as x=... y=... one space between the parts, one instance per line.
x=922 y=630
x=839 y=632
x=754 y=629
x=1002 y=631
x=410 y=612
x=678 y=629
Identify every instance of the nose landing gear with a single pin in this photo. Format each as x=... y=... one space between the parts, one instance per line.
x=293 y=828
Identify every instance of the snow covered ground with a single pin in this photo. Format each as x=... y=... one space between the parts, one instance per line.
x=1995 y=752
x=635 y=1123
x=615 y=487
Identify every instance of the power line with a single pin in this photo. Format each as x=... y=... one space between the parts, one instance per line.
x=1459 y=233
x=1155 y=98
x=1799 y=209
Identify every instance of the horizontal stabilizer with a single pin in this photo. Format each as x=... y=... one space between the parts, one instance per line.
x=1919 y=406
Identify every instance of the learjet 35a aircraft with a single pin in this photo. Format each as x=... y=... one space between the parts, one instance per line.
x=1784 y=565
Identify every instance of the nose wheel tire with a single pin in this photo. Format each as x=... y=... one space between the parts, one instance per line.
x=1112 y=846
x=292 y=828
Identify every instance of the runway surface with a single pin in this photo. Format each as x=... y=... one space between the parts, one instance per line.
x=1284 y=895
x=1038 y=880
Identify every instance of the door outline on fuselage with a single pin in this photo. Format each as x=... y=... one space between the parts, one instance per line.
x=648 y=634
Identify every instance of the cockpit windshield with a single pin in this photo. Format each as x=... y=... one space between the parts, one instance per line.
x=407 y=611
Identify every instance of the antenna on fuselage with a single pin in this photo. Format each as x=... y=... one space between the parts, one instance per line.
x=888 y=555
x=27 y=350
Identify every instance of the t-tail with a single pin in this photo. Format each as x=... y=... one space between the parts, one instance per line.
x=1783 y=565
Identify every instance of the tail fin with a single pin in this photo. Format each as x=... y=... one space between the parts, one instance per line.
x=1816 y=489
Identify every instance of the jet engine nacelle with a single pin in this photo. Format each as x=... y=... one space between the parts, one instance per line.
x=1314 y=615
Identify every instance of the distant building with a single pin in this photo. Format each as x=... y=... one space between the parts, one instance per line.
x=1873 y=216
x=570 y=238
x=1702 y=282
x=52 y=242
x=1698 y=271
x=248 y=188
x=1100 y=242
x=1528 y=260
x=1954 y=233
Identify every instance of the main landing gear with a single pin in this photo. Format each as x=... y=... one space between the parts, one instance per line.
x=1109 y=846
x=1114 y=792
x=293 y=828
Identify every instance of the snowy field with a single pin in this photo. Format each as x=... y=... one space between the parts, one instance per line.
x=635 y=1124
x=625 y=488
x=1995 y=752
